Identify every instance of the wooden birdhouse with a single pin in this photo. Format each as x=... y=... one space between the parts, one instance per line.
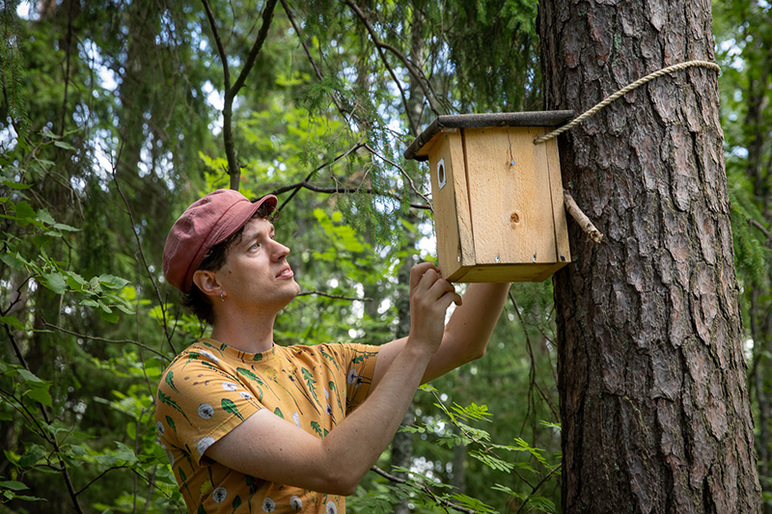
x=497 y=197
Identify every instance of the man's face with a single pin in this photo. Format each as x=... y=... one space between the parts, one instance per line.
x=256 y=274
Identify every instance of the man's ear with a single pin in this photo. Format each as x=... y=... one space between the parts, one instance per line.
x=207 y=282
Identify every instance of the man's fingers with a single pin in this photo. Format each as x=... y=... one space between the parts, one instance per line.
x=419 y=270
x=442 y=288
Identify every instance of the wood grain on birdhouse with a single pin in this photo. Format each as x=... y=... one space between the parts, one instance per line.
x=497 y=197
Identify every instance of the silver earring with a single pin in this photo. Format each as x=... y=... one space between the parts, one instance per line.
x=222 y=297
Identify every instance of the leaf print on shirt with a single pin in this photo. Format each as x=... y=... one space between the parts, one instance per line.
x=330 y=357
x=213 y=347
x=310 y=382
x=170 y=421
x=184 y=479
x=277 y=411
x=170 y=380
x=336 y=394
x=317 y=428
x=302 y=391
x=252 y=483
x=168 y=401
x=362 y=356
x=229 y=406
x=236 y=503
x=247 y=373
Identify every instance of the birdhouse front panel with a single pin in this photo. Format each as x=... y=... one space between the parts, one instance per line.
x=497 y=199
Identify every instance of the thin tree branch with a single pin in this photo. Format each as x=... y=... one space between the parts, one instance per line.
x=592 y=233
x=234 y=170
x=218 y=42
x=335 y=296
x=313 y=172
x=103 y=473
x=316 y=67
x=380 y=45
x=424 y=488
x=537 y=486
x=759 y=226
x=532 y=372
x=104 y=340
x=343 y=190
x=144 y=260
x=50 y=438
x=404 y=174
x=376 y=40
x=256 y=47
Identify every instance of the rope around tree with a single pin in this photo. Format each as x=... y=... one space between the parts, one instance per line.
x=621 y=92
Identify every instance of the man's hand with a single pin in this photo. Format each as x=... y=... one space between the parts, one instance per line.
x=430 y=297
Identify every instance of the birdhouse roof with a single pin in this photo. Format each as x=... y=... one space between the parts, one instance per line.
x=501 y=119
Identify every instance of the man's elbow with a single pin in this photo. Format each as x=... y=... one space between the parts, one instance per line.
x=477 y=352
x=342 y=482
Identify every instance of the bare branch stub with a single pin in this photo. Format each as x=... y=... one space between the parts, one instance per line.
x=592 y=233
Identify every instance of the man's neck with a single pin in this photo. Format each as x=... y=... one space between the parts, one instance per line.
x=250 y=335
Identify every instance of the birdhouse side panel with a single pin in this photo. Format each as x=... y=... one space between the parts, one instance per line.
x=452 y=221
x=549 y=153
x=509 y=196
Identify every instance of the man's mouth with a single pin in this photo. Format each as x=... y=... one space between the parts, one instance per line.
x=286 y=273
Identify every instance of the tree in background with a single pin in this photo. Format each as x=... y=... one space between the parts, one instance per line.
x=654 y=407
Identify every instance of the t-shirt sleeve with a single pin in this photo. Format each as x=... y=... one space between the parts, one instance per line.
x=359 y=360
x=199 y=402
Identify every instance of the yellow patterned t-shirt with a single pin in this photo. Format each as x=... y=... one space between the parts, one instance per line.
x=210 y=388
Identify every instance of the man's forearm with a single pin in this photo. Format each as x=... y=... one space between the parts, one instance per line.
x=363 y=435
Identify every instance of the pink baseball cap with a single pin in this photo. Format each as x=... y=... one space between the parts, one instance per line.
x=207 y=222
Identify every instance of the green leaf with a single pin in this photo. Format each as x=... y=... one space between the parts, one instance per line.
x=63 y=145
x=40 y=395
x=55 y=282
x=125 y=453
x=24 y=212
x=29 y=377
x=16 y=185
x=13 y=485
x=33 y=454
x=76 y=282
x=12 y=321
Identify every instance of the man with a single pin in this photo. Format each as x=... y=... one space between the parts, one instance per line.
x=250 y=426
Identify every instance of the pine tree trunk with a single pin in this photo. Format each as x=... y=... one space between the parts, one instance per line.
x=654 y=405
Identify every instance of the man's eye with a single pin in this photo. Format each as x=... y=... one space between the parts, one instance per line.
x=254 y=246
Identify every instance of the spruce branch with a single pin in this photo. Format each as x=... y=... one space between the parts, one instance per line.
x=314 y=65
x=417 y=74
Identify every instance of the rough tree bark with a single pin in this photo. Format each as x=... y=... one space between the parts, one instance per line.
x=654 y=405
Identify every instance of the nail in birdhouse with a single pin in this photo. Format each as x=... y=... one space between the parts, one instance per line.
x=497 y=196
